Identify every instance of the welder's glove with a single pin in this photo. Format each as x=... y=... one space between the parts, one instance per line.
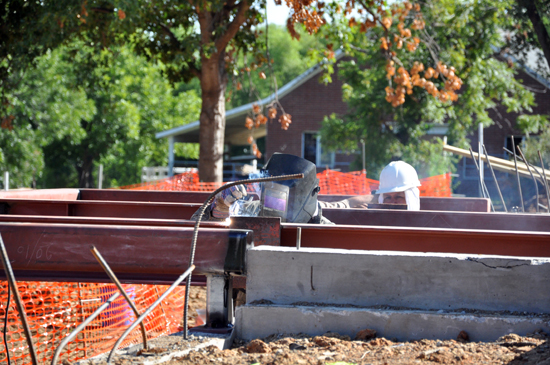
x=224 y=199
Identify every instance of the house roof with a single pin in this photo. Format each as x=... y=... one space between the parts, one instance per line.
x=235 y=131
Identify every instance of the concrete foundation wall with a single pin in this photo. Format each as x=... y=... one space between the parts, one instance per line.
x=398 y=279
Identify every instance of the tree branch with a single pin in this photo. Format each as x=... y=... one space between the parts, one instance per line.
x=538 y=26
x=234 y=26
x=169 y=32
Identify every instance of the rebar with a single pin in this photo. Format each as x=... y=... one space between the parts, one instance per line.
x=6 y=347
x=542 y=178
x=517 y=173
x=13 y=284
x=186 y=274
x=495 y=178
x=81 y=326
x=114 y=279
x=202 y=209
x=478 y=176
x=545 y=182
x=484 y=189
x=532 y=176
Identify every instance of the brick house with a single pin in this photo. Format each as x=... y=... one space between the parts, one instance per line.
x=305 y=99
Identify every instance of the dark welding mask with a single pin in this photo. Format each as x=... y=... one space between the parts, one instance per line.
x=295 y=201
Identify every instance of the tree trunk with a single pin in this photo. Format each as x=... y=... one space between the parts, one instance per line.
x=539 y=27
x=85 y=176
x=212 y=119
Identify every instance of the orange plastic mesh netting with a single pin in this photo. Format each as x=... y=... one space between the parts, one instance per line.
x=330 y=181
x=54 y=310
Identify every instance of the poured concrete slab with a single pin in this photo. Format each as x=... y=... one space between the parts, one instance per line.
x=259 y=321
x=426 y=281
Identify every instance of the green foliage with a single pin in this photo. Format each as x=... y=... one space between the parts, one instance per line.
x=83 y=106
x=458 y=33
x=538 y=143
x=290 y=59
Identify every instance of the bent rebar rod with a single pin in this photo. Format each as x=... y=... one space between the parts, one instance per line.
x=545 y=182
x=517 y=174
x=542 y=178
x=149 y=310
x=114 y=279
x=13 y=284
x=484 y=189
x=477 y=168
x=494 y=178
x=201 y=211
x=81 y=326
x=532 y=176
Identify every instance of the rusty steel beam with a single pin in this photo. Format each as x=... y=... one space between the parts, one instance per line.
x=111 y=221
x=426 y=203
x=267 y=230
x=60 y=252
x=197 y=197
x=435 y=219
x=55 y=194
x=507 y=243
x=98 y=208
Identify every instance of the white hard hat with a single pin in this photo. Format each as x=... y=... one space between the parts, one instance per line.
x=397 y=176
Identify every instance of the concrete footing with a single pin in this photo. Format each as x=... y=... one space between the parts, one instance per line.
x=438 y=295
x=258 y=321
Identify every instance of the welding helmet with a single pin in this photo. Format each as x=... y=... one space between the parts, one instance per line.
x=398 y=176
x=295 y=200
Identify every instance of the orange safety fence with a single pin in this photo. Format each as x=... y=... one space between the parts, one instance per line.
x=330 y=181
x=436 y=186
x=54 y=310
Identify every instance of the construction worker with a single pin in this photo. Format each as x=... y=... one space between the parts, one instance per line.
x=398 y=185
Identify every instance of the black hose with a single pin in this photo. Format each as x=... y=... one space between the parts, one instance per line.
x=198 y=222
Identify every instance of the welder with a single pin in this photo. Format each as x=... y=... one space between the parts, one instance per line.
x=294 y=201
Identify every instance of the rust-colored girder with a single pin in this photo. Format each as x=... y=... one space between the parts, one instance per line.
x=507 y=243
x=426 y=203
x=437 y=219
x=197 y=197
x=55 y=194
x=98 y=208
x=61 y=252
x=267 y=230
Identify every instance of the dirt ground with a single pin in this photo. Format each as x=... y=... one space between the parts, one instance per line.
x=367 y=348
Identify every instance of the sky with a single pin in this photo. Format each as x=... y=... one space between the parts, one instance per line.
x=277 y=14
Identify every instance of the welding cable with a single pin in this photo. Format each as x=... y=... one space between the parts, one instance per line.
x=202 y=209
x=6 y=326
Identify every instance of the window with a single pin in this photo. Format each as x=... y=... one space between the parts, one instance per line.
x=508 y=144
x=312 y=150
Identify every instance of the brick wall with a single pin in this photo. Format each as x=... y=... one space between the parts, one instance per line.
x=308 y=104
